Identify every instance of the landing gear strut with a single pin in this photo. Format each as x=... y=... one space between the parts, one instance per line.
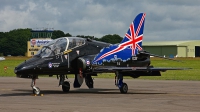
x=36 y=90
x=123 y=87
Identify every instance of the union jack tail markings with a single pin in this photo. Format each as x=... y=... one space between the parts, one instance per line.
x=132 y=39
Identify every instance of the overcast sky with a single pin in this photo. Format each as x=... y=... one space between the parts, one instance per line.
x=165 y=19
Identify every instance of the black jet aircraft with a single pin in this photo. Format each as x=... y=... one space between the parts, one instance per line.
x=86 y=58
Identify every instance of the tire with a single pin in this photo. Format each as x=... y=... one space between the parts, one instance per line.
x=124 y=88
x=89 y=82
x=66 y=87
x=36 y=92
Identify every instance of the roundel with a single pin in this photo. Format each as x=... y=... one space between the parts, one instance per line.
x=88 y=62
x=50 y=65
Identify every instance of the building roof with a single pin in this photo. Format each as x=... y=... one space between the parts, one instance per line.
x=170 y=43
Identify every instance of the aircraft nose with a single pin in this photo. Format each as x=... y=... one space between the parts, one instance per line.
x=20 y=72
x=16 y=70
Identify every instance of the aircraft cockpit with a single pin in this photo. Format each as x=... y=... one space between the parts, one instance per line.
x=60 y=45
x=75 y=42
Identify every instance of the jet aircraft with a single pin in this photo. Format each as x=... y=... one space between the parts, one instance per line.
x=86 y=58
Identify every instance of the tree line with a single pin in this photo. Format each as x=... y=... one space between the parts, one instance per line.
x=14 y=42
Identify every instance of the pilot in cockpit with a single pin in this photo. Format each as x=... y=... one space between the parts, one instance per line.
x=56 y=50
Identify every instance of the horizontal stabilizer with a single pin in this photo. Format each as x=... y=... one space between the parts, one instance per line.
x=154 y=55
x=128 y=69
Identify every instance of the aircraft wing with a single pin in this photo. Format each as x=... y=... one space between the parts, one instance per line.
x=124 y=69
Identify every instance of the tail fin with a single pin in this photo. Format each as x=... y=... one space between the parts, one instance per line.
x=134 y=35
x=133 y=40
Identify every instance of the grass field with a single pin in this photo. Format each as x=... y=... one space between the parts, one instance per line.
x=191 y=74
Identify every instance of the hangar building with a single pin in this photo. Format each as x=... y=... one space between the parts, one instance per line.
x=172 y=49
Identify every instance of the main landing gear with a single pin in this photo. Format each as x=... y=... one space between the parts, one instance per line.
x=89 y=81
x=123 y=87
x=65 y=84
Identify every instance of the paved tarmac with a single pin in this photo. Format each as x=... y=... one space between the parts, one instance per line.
x=143 y=96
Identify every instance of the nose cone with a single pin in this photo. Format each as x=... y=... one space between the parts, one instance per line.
x=18 y=70
x=21 y=67
x=15 y=70
x=24 y=69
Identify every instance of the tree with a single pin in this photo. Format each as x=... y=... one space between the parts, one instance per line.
x=113 y=39
x=57 y=34
x=15 y=42
x=68 y=35
x=2 y=35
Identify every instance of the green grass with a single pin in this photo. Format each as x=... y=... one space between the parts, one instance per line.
x=191 y=74
x=10 y=63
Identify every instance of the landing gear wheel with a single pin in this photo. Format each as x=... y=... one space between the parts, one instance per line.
x=124 y=88
x=36 y=91
x=89 y=82
x=66 y=86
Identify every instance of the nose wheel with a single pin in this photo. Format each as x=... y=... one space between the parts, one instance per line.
x=36 y=91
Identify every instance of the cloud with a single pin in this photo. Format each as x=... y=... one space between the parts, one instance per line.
x=165 y=20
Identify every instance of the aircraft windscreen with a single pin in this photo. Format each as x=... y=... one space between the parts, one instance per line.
x=53 y=48
x=59 y=46
x=45 y=52
x=75 y=42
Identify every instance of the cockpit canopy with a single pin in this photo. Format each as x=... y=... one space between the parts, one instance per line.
x=60 y=45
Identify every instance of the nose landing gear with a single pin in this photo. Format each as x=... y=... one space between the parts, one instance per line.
x=36 y=90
